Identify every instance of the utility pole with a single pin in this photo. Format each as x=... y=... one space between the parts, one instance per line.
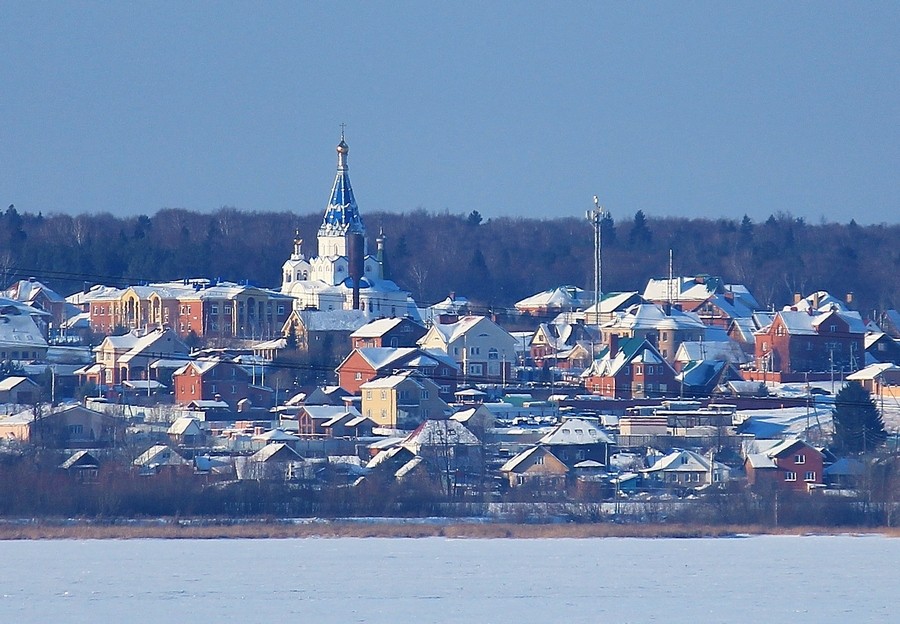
x=595 y=217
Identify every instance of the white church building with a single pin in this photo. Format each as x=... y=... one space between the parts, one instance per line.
x=344 y=275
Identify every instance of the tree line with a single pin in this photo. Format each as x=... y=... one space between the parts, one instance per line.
x=494 y=262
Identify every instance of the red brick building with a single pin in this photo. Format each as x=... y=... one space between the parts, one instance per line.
x=789 y=465
x=208 y=380
x=631 y=371
x=804 y=342
x=363 y=365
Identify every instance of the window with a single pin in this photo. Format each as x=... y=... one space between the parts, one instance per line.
x=810 y=475
x=579 y=455
x=281 y=309
x=493 y=354
x=476 y=369
x=539 y=460
x=76 y=430
x=425 y=394
x=358 y=377
x=383 y=395
x=790 y=475
x=368 y=394
x=799 y=459
x=214 y=308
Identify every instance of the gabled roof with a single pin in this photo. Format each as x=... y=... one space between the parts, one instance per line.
x=185 y=426
x=559 y=297
x=160 y=455
x=631 y=351
x=439 y=433
x=514 y=462
x=11 y=382
x=680 y=461
x=377 y=328
x=806 y=324
x=80 y=459
x=682 y=288
x=277 y=452
x=576 y=431
x=651 y=316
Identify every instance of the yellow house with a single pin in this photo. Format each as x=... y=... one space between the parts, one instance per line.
x=402 y=401
x=536 y=466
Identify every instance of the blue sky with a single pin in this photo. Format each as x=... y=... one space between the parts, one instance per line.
x=700 y=109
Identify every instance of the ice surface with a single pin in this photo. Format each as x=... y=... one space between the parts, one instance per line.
x=756 y=579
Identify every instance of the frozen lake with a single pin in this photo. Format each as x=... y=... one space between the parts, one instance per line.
x=754 y=579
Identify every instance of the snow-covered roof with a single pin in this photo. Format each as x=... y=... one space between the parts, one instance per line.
x=873 y=371
x=11 y=382
x=185 y=425
x=576 y=431
x=275 y=435
x=651 y=316
x=514 y=462
x=559 y=297
x=728 y=351
x=279 y=451
x=334 y=320
x=160 y=455
x=376 y=328
x=390 y=381
x=631 y=351
x=438 y=433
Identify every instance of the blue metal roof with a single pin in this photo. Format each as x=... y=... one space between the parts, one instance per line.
x=342 y=212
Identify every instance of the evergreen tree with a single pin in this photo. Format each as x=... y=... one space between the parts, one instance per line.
x=640 y=234
x=858 y=427
x=608 y=229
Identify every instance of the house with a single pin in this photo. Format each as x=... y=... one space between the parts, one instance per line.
x=402 y=401
x=700 y=351
x=349 y=425
x=634 y=370
x=578 y=439
x=536 y=467
x=273 y=462
x=388 y=332
x=69 y=426
x=40 y=297
x=325 y=335
x=185 y=431
x=82 y=466
x=477 y=419
x=881 y=379
x=363 y=365
x=21 y=337
x=664 y=328
x=713 y=300
x=19 y=391
x=160 y=457
x=549 y=303
x=556 y=342
x=218 y=380
x=685 y=469
x=130 y=356
x=484 y=350
x=315 y=421
x=791 y=464
x=611 y=305
x=449 y=451
x=197 y=306
x=804 y=342
x=881 y=348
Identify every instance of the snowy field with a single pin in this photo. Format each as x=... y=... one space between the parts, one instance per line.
x=754 y=579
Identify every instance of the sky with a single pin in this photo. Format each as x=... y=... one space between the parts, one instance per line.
x=696 y=109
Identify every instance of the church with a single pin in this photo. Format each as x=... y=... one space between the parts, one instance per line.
x=343 y=275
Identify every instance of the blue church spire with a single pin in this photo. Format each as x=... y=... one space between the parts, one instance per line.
x=342 y=213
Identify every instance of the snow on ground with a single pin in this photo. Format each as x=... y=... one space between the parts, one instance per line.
x=819 y=412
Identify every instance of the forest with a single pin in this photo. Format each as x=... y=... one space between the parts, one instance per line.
x=492 y=261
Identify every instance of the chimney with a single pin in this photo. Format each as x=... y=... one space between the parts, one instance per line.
x=613 y=344
x=797 y=298
x=849 y=298
x=815 y=301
